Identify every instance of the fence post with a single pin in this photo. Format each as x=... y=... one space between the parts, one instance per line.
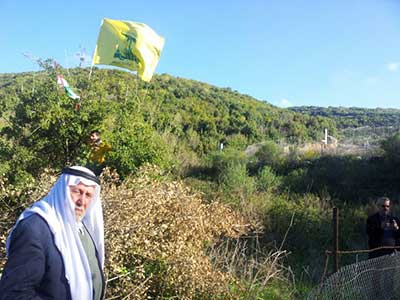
x=335 y=219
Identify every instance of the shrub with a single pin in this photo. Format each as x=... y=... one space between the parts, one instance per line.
x=311 y=154
x=391 y=146
x=221 y=161
x=134 y=144
x=156 y=236
x=303 y=223
x=258 y=269
x=297 y=181
x=267 y=181
x=269 y=154
x=236 y=141
x=236 y=184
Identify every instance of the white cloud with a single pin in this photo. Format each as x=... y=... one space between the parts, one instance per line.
x=284 y=103
x=393 y=66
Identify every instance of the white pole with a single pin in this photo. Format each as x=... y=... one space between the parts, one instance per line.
x=91 y=67
x=326 y=137
x=95 y=50
x=66 y=61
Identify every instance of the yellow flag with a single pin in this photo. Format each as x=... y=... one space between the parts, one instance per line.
x=129 y=45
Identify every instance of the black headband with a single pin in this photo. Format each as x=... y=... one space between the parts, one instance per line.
x=80 y=173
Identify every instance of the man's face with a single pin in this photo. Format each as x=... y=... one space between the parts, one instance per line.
x=385 y=208
x=82 y=196
x=94 y=137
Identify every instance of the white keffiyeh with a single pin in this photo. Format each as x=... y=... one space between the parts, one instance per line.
x=58 y=210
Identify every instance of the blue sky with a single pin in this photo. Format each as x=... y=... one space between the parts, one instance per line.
x=286 y=52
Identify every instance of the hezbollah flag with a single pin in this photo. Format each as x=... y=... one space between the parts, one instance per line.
x=129 y=45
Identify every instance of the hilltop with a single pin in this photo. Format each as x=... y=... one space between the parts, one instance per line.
x=353 y=117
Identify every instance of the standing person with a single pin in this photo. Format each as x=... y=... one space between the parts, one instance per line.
x=97 y=152
x=382 y=229
x=56 y=248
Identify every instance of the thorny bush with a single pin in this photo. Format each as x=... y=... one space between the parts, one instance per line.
x=156 y=235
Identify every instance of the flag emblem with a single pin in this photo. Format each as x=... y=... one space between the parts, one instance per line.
x=131 y=45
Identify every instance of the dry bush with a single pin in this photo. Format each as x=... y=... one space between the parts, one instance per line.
x=252 y=265
x=156 y=236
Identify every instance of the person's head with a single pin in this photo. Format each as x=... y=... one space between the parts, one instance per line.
x=94 y=136
x=83 y=188
x=81 y=195
x=384 y=205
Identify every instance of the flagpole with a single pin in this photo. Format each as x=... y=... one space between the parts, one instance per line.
x=136 y=84
x=66 y=61
x=91 y=67
x=95 y=49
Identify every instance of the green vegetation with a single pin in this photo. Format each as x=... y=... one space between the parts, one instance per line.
x=249 y=221
x=354 y=116
x=358 y=126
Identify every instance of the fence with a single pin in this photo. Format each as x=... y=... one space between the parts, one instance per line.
x=377 y=279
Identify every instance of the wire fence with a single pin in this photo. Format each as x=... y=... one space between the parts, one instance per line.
x=377 y=279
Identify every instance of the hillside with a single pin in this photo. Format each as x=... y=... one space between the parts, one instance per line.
x=182 y=106
x=353 y=117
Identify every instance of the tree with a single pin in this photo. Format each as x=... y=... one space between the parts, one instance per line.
x=48 y=124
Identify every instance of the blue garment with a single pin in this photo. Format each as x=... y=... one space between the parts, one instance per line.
x=34 y=269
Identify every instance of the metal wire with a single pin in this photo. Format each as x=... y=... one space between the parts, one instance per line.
x=377 y=278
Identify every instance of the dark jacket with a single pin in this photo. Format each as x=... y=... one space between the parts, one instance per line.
x=375 y=234
x=35 y=268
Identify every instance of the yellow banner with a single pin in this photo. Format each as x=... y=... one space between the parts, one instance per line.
x=131 y=45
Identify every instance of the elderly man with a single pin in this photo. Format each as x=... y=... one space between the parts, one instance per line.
x=56 y=248
x=382 y=229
